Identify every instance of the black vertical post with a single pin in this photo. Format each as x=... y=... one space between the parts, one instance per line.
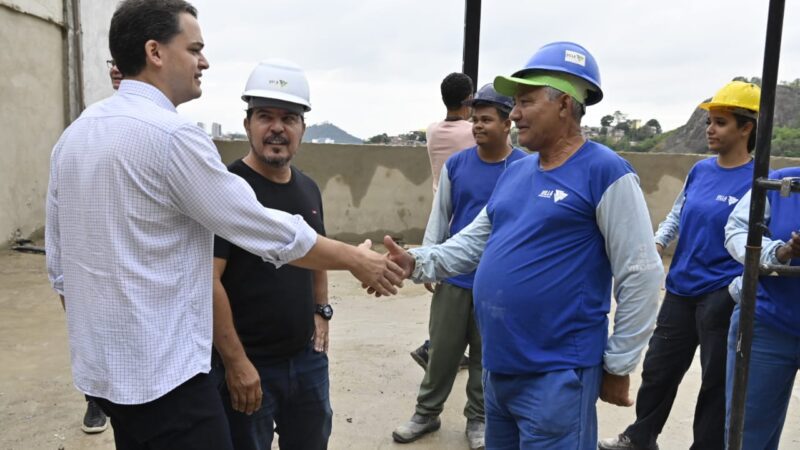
x=472 y=39
x=744 y=338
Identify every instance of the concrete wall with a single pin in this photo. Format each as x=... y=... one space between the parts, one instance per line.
x=369 y=191
x=34 y=92
x=95 y=21
x=32 y=112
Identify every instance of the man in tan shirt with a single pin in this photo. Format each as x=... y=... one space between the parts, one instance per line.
x=446 y=137
x=454 y=133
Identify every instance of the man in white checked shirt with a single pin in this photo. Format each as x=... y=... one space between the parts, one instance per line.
x=136 y=194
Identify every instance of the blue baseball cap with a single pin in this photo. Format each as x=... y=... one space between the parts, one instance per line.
x=488 y=96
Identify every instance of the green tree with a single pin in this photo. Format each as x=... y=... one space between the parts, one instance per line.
x=606 y=120
x=785 y=141
x=654 y=123
x=414 y=136
x=382 y=138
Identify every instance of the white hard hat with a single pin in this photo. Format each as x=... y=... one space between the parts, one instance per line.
x=277 y=79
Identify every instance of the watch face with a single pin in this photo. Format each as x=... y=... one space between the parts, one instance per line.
x=326 y=311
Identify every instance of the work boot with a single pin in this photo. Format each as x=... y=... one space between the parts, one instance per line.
x=415 y=428
x=476 y=430
x=621 y=442
x=420 y=355
x=94 y=421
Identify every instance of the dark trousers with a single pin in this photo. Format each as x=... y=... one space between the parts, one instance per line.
x=295 y=397
x=189 y=417
x=683 y=323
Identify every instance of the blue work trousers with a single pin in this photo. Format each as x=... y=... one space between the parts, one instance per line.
x=544 y=411
x=774 y=361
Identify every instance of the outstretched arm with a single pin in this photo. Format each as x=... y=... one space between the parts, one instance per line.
x=371 y=268
x=458 y=255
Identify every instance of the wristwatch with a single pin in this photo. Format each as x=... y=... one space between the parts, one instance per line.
x=326 y=311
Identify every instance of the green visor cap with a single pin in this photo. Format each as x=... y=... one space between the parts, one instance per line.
x=508 y=85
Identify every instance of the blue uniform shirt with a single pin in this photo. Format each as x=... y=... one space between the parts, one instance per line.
x=701 y=263
x=778 y=301
x=543 y=286
x=472 y=181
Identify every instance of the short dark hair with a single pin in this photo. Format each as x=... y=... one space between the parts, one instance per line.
x=249 y=114
x=740 y=122
x=137 y=21
x=456 y=87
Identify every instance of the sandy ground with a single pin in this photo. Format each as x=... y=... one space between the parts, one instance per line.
x=373 y=380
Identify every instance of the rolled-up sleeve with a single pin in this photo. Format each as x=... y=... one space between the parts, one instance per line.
x=203 y=189
x=624 y=221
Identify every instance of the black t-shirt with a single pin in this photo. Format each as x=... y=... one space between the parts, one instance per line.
x=273 y=309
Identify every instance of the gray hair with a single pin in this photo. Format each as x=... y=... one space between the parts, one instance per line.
x=578 y=110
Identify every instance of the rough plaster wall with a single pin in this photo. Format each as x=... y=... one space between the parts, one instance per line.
x=369 y=191
x=47 y=9
x=95 y=21
x=31 y=118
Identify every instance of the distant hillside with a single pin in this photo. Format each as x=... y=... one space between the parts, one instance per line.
x=691 y=137
x=327 y=132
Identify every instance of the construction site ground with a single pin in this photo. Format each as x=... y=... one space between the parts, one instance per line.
x=373 y=380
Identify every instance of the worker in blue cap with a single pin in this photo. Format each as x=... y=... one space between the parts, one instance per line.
x=561 y=228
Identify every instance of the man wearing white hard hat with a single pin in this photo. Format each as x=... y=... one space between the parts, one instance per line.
x=271 y=325
x=560 y=226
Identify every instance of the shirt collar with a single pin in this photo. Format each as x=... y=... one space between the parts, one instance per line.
x=148 y=91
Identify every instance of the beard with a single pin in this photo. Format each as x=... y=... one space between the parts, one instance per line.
x=276 y=161
x=271 y=159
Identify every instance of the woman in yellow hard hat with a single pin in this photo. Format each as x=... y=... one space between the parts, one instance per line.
x=697 y=306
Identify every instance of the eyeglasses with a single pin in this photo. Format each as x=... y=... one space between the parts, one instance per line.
x=110 y=63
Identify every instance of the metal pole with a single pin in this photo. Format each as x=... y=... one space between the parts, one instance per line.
x=472 y=39
x=744 y=338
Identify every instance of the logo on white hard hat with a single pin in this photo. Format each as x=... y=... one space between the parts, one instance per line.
x=281 y=83
x=575 y=58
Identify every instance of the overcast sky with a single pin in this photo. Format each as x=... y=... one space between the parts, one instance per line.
x=375 y=66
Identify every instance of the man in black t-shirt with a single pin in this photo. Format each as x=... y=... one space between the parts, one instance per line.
x=271 y=325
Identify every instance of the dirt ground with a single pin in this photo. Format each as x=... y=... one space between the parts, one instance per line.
x=373 y=380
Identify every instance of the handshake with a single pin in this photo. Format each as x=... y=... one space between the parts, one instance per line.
x=382 y=274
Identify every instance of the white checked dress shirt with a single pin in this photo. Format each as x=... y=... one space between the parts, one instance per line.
x=136 y=194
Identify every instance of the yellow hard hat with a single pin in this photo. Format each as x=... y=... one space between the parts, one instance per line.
x=738 y=96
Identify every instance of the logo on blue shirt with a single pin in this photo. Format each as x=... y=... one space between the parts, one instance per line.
x=729 y=199
x=557 y=195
